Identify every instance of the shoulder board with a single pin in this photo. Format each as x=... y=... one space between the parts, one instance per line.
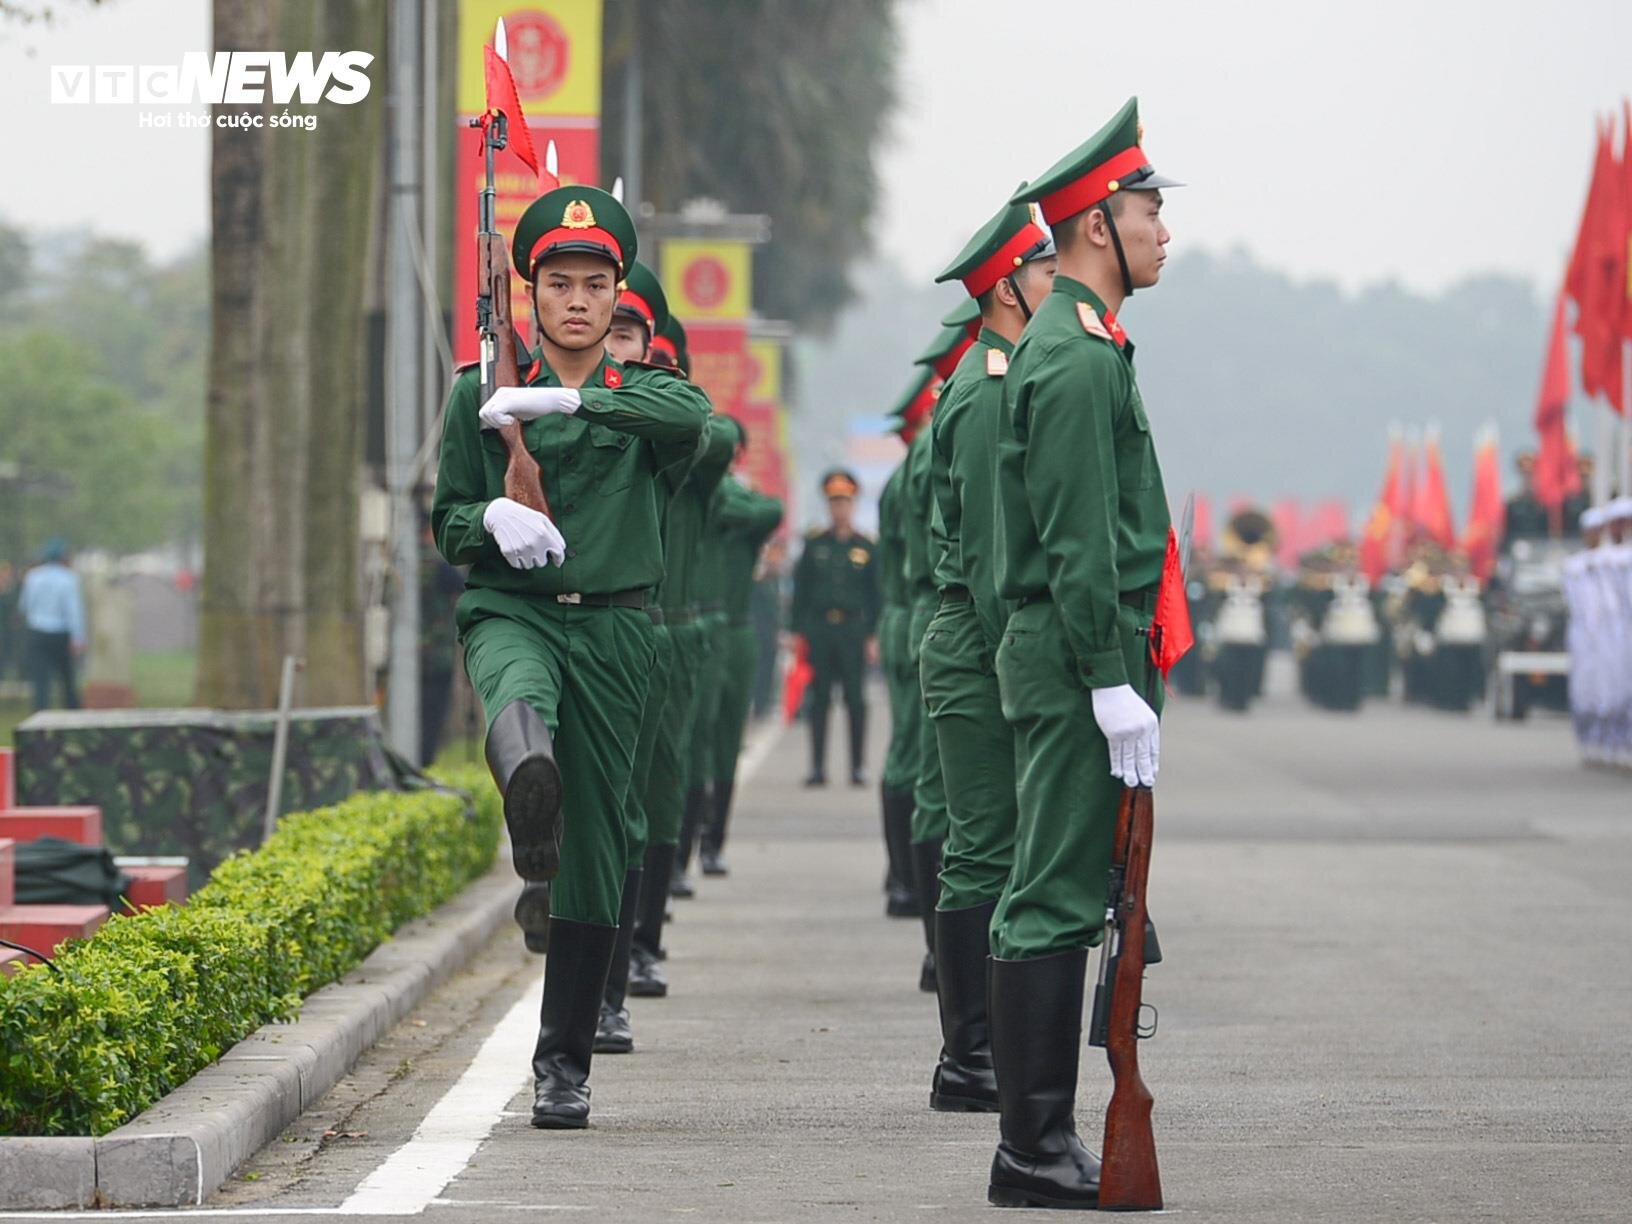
x=1091 y=322
x=997 y=364
x=672 y=371
x=469 y=365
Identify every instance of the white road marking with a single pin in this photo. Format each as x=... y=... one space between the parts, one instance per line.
x=753 y=756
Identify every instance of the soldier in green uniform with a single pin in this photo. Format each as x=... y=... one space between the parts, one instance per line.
x=835 y=610
x=1082 y=526
x=553 y=622
x=1007 y=268
x=740 y=521
x=900 y=773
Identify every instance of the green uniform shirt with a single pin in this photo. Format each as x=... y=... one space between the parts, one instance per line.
x=740 y=521
x=600 y=469
x=835 y=583
x=916 y=502
x=961 y=469
x=891 y=553
x=688 y=511
x=1080 y=511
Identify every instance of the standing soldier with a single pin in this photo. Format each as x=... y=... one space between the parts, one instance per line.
x=1082 y=527
x=740 y=522
x=557 y=640
x=835 y=609
x=1007 y=268
x=900 y=772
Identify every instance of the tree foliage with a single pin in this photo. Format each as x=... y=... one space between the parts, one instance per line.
x=768 y=108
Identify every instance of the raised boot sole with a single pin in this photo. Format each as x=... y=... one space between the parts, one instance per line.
x=532 y=812
x=1010 y=1196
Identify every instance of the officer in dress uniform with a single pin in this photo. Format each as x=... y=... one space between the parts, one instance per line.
x=1007 y=268
x=1082 y=527
x=835 y=610
x=553 y=621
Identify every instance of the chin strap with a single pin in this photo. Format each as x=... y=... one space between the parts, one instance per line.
x=1025 y=307
x=1116 y=241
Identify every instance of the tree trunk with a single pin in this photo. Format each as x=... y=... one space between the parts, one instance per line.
x=291 y=246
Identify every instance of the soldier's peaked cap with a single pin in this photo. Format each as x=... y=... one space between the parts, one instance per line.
x=1107 y=162
x=582 y=219
x=840 y=483
x=1004 y=243
x=642 y=297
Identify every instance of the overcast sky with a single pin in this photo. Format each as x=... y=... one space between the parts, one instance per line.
x=1420 y=140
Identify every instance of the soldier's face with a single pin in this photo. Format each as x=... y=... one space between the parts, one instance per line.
x=1036 y=279
x=574 y=294
x=842 y=510
x=627 y=341
x=1144 y=237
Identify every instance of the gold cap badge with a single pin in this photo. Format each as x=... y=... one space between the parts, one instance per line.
x=578 y=215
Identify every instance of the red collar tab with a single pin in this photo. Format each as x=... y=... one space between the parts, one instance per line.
x=532 y=371
x=561 y=234
x=1004 y=260
x=629 y=298
x=1098 y=184
x=1115 y=328
x=612 y=376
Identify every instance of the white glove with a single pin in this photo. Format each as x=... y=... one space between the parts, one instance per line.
x=527 y=538
x=1134 y=734
x=510 y=404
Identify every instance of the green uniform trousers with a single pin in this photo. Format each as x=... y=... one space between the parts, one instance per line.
x=906 y=708
x=959 y=673
x=666 y=779
x=585 y=670
x=705 y=709
x=929 y=789
x=1055 y=898
x=739 y=652
x=635 y=821
x=838 y=654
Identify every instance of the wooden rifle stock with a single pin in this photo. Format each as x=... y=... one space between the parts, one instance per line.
x=1129 y=1179
x=523 y=482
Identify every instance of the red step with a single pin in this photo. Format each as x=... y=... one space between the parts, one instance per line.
x=152 y=886
x=44 y=927
x=75 y=824
x=8 y=871
x=8 y=779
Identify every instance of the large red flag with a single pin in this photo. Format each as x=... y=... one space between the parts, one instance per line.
x=1597 y=275
x=1432 y=512
x=1201 y=527
x=1405 y=506
x=1558 y=476
x=1486 y=513
x=1170 y=632
x=1377 y=550
x=797 y=681
x=502 y=99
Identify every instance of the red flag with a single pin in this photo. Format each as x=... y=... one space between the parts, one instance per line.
x=1597 y=274
x=1432 y=513
x=1201 y=527
x=798 y=680
x=1377 y=547
x=1557 y=474
x=1486 y=513
x=502 y=99
x=1170 y=632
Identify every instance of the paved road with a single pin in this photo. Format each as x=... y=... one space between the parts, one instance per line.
x=1398 y=985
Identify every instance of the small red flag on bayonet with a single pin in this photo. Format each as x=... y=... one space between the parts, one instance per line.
x=502 y=99
x=1170 y=632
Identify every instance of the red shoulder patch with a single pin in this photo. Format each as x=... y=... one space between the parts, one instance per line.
x=614 y=376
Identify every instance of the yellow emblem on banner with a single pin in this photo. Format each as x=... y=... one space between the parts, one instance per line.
x=578 y=215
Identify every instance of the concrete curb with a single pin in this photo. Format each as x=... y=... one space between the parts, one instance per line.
x=177 y=1152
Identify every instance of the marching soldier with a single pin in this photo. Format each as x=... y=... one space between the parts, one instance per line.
x=556 y=637
x=835 y=610
x=1082 y=527
x=1007 y=268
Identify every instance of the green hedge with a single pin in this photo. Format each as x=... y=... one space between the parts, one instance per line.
x=150 y=1000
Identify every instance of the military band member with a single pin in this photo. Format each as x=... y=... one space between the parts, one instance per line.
x=1007 y=268
x=556 y=637
x=835 y=610
x=1082 y=526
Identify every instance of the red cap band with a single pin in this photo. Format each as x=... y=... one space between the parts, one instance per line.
x=639 y=305
x=948 y=361
x=1005 y=260
x=664 y=345
x=1092 y=187
x=562 y=234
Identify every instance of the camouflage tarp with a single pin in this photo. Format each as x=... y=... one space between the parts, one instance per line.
x=194 y=782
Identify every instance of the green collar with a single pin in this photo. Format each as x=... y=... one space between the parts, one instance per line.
x=536 y=372
x=991 y=339
x=1079 y=292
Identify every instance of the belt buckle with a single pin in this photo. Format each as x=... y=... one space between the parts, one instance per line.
x=835 y=616
x=571 y=597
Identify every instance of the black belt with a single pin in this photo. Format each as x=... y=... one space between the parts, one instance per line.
x=617 y=599
x=955 y=594
x=656 y=615
x=1143 y=599
x=675 y=618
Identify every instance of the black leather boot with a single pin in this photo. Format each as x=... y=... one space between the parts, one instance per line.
x=574 y=986
x=1036 y=1023
x=818 y=746
x=964 y=1080
x=521 y=757
x=858 y=746
x=710 y=854
x=900 y=887
x=926 y=868
x=646 y=978
x=613 y=1033
x=690 y=824
x=533 y=916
